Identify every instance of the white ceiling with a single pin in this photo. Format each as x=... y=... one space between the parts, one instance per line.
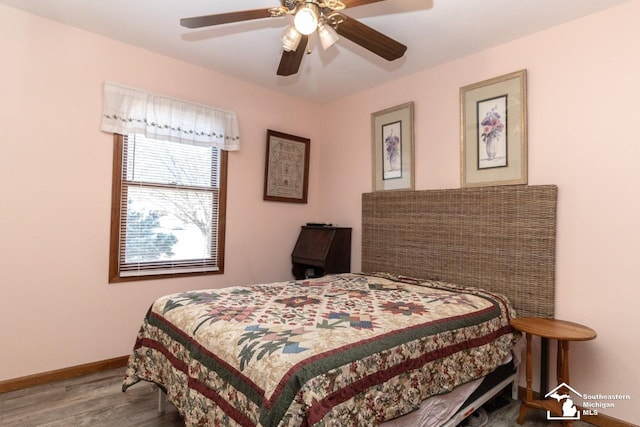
x=435 y=31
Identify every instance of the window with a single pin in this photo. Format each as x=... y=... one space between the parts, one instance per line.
x=168 y=209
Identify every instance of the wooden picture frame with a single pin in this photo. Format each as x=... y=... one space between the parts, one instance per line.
x=493 y=131
x=392 y=148
x=286 y=174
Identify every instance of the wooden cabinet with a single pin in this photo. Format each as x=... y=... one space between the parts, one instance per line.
x=320 y=250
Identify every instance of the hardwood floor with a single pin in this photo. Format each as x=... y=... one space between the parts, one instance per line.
x=94 y=400
x=97 y=400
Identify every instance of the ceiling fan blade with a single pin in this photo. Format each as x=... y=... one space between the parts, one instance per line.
x=291 y=60
x=225 y=18
x=370 y=39
x=354 y=3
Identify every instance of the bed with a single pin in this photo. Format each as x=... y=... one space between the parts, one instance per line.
x=446 y=270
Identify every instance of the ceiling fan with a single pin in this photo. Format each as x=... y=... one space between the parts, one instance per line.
x=323 y=16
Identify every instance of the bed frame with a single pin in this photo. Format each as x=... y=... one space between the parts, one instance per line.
x=498 y=238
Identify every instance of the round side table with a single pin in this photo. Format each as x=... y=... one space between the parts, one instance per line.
x=563 y=332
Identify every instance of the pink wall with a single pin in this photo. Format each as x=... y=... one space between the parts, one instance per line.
x=58 y=309
x=583 y=97
x=56 y=166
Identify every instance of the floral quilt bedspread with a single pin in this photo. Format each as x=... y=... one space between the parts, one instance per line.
x=349 y=349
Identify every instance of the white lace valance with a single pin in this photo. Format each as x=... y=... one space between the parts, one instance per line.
x=128 y=111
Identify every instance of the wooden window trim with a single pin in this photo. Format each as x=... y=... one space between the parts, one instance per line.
x=114 y=245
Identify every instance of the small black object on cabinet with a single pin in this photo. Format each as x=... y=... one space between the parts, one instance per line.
x=321 y=250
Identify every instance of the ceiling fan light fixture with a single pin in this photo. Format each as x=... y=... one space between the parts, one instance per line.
x=306 y=19
x=328 y=35
x=291 y=39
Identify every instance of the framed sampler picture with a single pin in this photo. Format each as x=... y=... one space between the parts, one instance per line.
x=286 y=175
x=493 y=130
x=392 y=148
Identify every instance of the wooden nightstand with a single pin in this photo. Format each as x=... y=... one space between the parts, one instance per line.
x=563 y=332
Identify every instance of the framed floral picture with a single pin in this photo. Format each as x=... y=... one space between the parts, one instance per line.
x=493 y=129
x=286 y=174
x=392 y=148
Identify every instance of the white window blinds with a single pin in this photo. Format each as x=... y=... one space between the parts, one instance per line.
x=169 y=208
x=128 y=111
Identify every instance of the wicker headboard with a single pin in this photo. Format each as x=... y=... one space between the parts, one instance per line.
x=498 y=238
